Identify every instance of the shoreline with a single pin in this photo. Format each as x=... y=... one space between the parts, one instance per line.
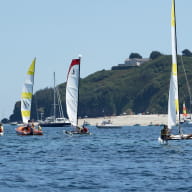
x=129 y=120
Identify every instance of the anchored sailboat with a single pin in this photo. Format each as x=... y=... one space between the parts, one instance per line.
x=72 y=97
x=54 y=121
x=26 y=99
x=173 y=102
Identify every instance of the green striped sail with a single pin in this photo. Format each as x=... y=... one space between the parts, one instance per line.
x=27 y=93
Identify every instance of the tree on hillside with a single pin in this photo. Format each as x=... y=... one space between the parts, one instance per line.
x=187 y=53
x=135 y=56
x=154 y=55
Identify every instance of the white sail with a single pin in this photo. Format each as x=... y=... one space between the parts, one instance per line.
x=27 y=92
x=72 y=91
x=173 y=103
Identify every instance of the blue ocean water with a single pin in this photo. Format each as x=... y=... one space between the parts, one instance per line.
x=113 y=160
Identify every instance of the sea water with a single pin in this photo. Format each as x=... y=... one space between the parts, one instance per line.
x=109 y=160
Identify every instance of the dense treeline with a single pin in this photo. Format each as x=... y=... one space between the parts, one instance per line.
x=141 y=89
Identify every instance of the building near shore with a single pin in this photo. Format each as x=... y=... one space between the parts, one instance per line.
x=130 y=63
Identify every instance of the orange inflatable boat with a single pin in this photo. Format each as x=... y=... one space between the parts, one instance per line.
x=28 y=131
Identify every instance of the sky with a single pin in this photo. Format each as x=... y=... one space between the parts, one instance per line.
x=104 y=32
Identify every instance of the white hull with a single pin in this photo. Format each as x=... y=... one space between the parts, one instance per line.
x=175 y=137
x=180 y=137
x=1 y=134
x=76 y=133
x=108 y=126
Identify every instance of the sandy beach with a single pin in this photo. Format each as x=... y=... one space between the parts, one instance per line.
x=129 y=120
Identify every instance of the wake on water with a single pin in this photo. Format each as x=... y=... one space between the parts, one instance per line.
x=161 y=141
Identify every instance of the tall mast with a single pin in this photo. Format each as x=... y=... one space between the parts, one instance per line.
x=54 y=99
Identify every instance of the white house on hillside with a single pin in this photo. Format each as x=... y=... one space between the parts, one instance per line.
x=130 y=63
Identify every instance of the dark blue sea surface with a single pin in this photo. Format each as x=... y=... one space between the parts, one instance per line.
x=109 y=160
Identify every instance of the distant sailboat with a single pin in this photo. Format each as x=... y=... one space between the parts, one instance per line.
x=173 y=102
x=184 y=110
x=26 y=100
x=72 y=97
x=186 y=120
x=54 y=121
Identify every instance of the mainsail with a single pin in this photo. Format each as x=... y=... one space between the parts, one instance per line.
x=27 y=92
x=72 y=91
x=173 y=102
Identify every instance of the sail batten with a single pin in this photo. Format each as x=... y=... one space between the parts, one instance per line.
x=173 y=102
x=72 y=91
x=27 y=93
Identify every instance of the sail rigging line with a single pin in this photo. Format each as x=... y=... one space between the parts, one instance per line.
x=61 y=114
x=187 y=82
x=36 y=107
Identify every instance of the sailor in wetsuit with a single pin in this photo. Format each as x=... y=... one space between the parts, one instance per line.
x=165 y=133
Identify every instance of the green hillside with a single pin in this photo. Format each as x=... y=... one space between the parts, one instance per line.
x=112 y=92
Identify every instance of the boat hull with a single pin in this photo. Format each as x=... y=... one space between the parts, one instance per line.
x=27 y=131
x=77 y=133
x=180 y=137
x=108 y=126
x=55 y=124
x=175 y=137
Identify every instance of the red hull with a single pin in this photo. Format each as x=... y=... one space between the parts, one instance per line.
x=27 y=131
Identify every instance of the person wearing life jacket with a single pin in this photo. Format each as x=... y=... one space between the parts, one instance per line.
x=84 y=129
x=30 y=127
x=39 y=128
x=1 y=128
x=165 y=133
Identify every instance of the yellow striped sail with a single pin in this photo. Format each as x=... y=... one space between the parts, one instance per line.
x=27 y=93
x=173 y=102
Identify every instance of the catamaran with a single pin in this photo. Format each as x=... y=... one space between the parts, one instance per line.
x=72 y=97
x=173 y=101
x=26 y=99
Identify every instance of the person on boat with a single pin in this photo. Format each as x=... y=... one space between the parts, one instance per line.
x=39 y=128
x=29 y=124
x=1 y=128
x=30 y=127
x=165 y=133
x=84 y=129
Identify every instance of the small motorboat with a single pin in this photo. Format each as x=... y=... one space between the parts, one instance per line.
x=28 y=131
x=107 y=124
